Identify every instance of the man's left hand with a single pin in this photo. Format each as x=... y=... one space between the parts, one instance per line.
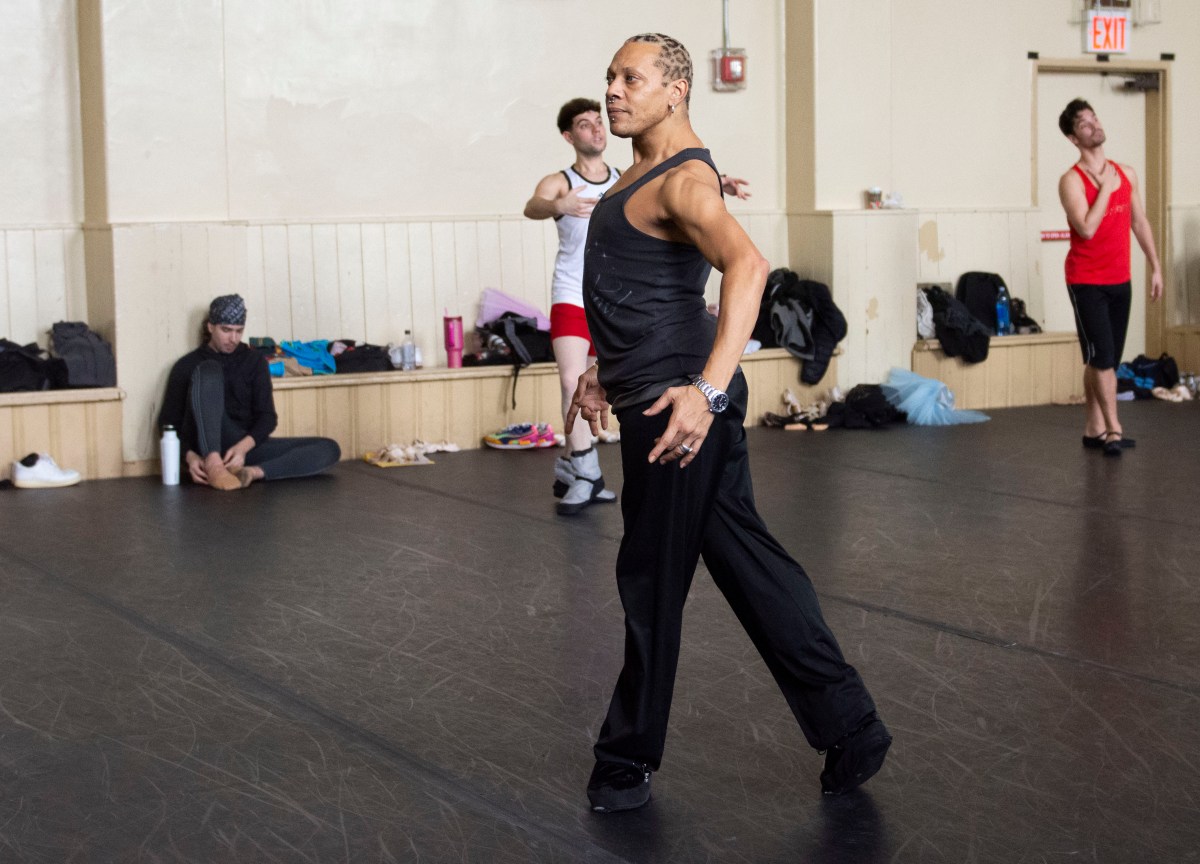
x=1156 y=285
x=235 y=456
x=733 y=186
x=689 y=425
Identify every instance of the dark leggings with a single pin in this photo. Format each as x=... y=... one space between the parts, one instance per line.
x=1101 y=319
x=673 y=517
x=279 y=458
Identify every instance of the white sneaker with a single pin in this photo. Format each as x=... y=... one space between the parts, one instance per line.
x=586 y=487
x=39 y=471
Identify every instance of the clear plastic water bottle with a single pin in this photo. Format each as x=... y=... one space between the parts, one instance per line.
x=1003 y=320
x=408 y=352
x=168 y=451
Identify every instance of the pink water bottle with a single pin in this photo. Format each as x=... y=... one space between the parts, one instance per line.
x=454 y=340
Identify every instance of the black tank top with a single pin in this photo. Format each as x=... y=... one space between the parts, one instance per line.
x=644 y=299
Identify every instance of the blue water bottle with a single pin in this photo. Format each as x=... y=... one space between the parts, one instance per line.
x=1003 y=321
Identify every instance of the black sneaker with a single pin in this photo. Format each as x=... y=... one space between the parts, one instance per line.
x=617 y=786
x=855 y=758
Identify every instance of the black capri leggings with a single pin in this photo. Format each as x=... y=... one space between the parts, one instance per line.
x=279 y=458
x=1101 y=319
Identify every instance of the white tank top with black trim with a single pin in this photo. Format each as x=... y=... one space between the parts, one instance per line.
x=567 y=286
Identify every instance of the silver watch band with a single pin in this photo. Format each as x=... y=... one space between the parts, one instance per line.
x=714 y=395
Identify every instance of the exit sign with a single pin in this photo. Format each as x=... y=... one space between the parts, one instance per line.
x=1106 y=31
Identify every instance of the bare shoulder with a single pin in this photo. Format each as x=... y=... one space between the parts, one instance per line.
x=552 y=185
x=694 y=171
x=690 y=180
x=1128 y=171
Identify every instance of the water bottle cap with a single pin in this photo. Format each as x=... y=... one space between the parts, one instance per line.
x=168 y=428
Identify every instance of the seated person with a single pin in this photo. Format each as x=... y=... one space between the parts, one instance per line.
x=219 y=397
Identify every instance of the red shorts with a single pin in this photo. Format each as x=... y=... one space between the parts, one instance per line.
x=567 y=319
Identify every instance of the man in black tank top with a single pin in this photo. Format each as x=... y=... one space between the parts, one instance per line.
x=670 y=371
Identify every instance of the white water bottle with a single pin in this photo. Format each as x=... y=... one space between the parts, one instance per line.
x=168 y=451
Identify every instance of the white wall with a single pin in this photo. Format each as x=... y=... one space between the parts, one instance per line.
x=41 y=246
x=932 y=98
x=279 y=111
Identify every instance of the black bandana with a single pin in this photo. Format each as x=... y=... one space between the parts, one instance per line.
x=227 y=309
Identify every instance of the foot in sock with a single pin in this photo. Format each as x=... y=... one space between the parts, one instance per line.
x=220 y=477
x=247 y=474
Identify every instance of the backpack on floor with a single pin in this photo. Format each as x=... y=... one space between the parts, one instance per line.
x=1163 y=372
x=89 y=359
x=1129 y=381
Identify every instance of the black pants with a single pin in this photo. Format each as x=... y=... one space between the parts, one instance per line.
x=673 y=517
x=214 y=432
x=1101 y=319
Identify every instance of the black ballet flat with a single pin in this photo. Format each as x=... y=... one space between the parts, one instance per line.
x=1096 y=442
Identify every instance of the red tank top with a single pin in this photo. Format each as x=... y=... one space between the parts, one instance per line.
x=1103 y=260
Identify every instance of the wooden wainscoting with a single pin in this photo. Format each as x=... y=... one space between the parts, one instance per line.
x=80 y=429
x=369 y=410
x=1183 y=343
x=1037 y=369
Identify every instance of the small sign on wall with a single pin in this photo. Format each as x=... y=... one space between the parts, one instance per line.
x=1106 y=31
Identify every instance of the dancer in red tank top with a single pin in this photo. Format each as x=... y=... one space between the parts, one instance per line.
x=1102 y=206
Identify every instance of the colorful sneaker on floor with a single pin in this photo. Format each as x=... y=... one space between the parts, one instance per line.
x=519 y=436
x=546 y=436
x=39 y=471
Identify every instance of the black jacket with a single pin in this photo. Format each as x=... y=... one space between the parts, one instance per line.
x=249 y=399
x=800 y=315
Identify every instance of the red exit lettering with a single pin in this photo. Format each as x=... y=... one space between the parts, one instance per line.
x=1108 y=33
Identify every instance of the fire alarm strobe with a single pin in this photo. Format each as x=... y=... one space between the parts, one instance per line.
x=729 y=69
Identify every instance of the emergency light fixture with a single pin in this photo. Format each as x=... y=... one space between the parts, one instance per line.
x=728 y=64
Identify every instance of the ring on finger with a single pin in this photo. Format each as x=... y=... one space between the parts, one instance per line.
x=685 y=449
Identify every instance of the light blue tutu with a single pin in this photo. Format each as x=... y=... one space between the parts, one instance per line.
x=926 y=401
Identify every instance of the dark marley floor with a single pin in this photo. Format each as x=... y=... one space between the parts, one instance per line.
x=411 y=664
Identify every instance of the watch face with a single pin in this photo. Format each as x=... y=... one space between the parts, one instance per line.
x=718 y=403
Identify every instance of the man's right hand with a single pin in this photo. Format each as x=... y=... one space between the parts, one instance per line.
x=589 y=400
x=196 y=468
x=1110 y=178
x=573 y=204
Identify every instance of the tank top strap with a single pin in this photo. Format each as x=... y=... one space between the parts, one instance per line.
x=698 y=153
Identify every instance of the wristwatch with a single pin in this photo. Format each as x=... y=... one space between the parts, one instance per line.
x=718 y=400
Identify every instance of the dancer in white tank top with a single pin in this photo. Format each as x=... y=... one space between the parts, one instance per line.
x=567 y=286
